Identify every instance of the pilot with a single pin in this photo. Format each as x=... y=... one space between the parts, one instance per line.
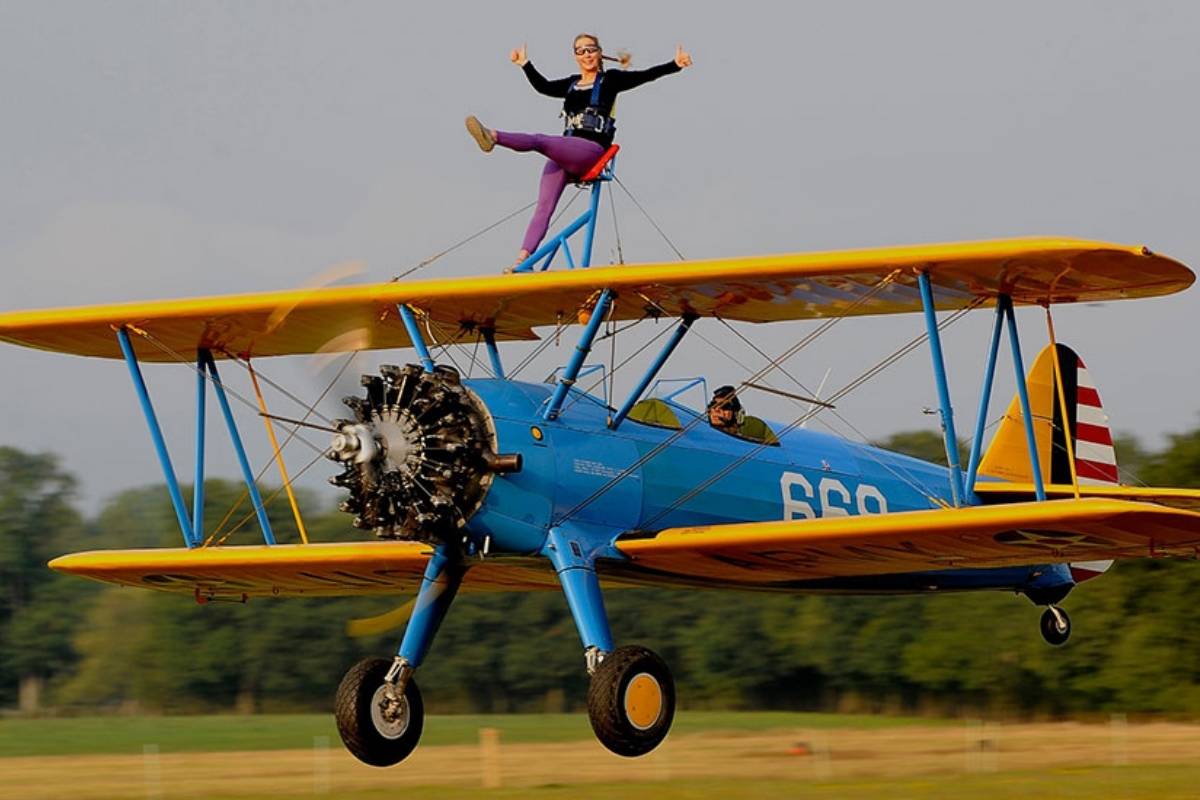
x=725 y=413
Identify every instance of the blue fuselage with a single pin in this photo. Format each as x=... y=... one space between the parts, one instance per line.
x=644 y=477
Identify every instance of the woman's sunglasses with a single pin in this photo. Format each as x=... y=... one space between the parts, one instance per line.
x=586 y=50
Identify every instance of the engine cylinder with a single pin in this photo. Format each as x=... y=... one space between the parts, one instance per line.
x=419 y=455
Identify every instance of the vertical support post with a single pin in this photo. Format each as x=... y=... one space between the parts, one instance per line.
x=443 y=576
x=577 y=358
x=1014 y=342
x=489 y=339
x=414 y=333
x=1062 y=403
x=201 y=419
x=591 y=227
x=985 y=397
x=939 y=373
x=240 y=451
x=676 y=337
x=160 y=445
x=283 y=473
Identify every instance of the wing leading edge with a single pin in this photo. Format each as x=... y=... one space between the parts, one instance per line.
x=751 y=289
x=768 y=555
x=308 y=570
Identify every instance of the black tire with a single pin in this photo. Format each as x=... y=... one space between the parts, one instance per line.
x=1054 y=633
x=370 y=737
x=631 y=701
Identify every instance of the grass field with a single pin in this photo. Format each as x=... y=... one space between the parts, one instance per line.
x=48 y=737
x=707 y=756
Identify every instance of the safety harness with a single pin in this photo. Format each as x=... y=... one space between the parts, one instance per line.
x=592 y=118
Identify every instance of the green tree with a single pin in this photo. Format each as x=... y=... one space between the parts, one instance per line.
x=37 y=612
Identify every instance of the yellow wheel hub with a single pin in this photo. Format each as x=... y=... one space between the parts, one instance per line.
x=643 y=701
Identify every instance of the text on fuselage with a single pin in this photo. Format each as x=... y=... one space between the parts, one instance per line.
x=831 y=499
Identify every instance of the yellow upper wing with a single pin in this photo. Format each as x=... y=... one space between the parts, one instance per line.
x=769 y=555
x=753 y=289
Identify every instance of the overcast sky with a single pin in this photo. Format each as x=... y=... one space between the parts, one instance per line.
x=158 y=149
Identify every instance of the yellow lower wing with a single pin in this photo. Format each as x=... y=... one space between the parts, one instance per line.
x=312 y=570
x=775 y=554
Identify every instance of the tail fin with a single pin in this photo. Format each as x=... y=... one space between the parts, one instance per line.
x=1091 y=439
x=1095 y=460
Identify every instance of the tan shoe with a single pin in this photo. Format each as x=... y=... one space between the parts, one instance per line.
x=521 y=256
x=482 y=136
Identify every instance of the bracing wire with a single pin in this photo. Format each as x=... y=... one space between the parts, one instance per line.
x=798 y=421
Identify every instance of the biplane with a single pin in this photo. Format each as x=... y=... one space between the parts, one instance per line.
x=493 y=484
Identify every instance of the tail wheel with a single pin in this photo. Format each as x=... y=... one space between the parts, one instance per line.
x=631 y=701
x=1055 y=626
x=376 y=729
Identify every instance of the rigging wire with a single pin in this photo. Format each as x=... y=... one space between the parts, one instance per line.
x=646 y=213
x=676 y=435
x=724 y=471
x=462 y=242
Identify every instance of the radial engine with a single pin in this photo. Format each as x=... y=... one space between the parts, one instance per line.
x=419 y=456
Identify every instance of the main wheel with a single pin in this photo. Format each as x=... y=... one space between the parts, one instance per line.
x=376 y=730
x=631 y=701
x=1055 y=626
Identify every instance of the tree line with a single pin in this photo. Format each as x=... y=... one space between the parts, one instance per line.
x=69 y=645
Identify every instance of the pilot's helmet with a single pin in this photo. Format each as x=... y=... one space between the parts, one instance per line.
x=726 y=397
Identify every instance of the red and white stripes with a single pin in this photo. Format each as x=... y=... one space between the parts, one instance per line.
x=1095 y=458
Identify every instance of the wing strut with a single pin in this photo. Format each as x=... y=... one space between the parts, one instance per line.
x=160 y=444
x=676 y=337
x=1005 y=315
x=939 y=374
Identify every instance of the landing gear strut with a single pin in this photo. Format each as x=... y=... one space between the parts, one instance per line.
x=1055 y=626
x=631 y=701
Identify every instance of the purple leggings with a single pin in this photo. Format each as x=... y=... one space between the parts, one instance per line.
x=567 y=157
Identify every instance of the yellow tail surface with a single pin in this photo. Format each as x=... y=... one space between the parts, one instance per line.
x=1091 y=440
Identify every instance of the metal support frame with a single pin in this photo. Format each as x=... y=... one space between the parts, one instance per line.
x=201 y=418
x=985 y=398
x=160 y=444
x=676 y=337
x=443 y=576
x=414 y=333
x=550 y=248
x=577 y=358
x=235 y=438
x=1014 y=341
x=489 y=339
x=581 y=586
x=939 y=373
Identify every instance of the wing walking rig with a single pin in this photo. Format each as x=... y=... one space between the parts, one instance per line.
x=500 y=485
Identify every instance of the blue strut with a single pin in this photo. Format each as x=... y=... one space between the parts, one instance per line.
x=939 y=372
x=577 y=358
x=489 y=339
x=1014 y=342
x=160 y=445
x=551 y=247
x=414 y=333
x=985 y=397
x=576 y=570
x=676 y=337
x=443 y=576
x=238 y=449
